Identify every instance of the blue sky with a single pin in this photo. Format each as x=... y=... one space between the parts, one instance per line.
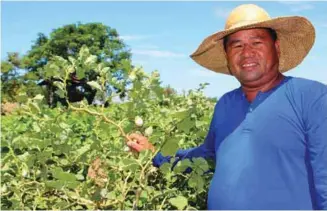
x=161 y=35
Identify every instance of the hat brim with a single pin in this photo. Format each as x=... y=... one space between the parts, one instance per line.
x=295 y=34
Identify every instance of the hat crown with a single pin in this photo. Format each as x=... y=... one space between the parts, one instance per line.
x=246 y=14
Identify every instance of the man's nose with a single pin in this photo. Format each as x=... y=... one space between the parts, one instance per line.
x=247 y=51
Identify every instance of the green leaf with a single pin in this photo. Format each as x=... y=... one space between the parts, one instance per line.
x=144 y=156
x=24 y=156
x=34 y=108
x=170 y=147
x=137 y=85
x=111 y=195
x=60 y=184
x=165 y=168
x=130 y=164
x=59 y=60
x=72 y=60
x=182 y=165
x=72 y=184
x=94 y=85
x=198 y=124
x=55 y=184
x=84 y=52
x=59 y=174
x=185 y=125
x=31 y=76
x=180 y=202
x=59 y=84
x=70 y=69
x=83 y=150
x=91 y=60
x=38 y=97
x=21 y=98
x=80 y=73
x=16 y=204
x=61 y=205
x=105 y=69
x=55 y=128
x=201 y=165
x=43 y=156
x=181 y=114
x=36 y=127
x=64 y=126
x=96 y=195
x=196 y=181
x=60 y=93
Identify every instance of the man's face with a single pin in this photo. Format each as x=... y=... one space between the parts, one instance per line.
x=252 y=54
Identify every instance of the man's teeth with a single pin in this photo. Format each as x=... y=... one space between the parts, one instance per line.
x=248 y=65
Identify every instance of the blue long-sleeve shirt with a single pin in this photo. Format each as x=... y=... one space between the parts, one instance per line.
x=271 y=153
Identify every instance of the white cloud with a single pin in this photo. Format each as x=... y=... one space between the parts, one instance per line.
x=222 y=12
x=158 y=53
x=147 y=46
x=301 y=7
x=134 y=37
x=297 y=6
x=290 y=2
x=140 y=62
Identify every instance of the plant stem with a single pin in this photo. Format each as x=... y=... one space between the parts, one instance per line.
x=137 y=198
x=162 y=204
x=124 y=191
x=106 y=119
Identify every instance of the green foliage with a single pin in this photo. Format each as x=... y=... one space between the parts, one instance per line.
x=74 y=157
x=12 y=82
x=67 y=42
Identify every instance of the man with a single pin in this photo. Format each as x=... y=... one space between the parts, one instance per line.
x=268 y=137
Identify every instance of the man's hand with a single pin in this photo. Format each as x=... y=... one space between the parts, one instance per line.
x=139 y=143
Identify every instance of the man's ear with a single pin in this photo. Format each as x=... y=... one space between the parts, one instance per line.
x=277 y=46
x=228 y=66
x=230 y=72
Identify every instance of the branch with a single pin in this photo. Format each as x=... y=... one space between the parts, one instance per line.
x=106 y=119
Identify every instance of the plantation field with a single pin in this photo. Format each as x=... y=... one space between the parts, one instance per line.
x=75 y=156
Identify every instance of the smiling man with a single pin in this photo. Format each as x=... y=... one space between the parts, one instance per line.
x=269 y=136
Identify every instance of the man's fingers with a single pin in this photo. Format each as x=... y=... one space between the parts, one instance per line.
x=139 y=138
x=135 y=146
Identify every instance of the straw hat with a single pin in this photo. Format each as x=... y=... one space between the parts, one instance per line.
x=296 y=35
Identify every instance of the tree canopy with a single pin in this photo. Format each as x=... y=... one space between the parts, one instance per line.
x=66 y=41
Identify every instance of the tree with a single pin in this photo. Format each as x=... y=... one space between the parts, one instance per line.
x=66 y=42
x=9 y=73
x=12 y=82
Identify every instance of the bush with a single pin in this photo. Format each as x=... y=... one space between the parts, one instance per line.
x=75 y=157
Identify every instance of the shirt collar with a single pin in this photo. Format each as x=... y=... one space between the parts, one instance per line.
x=285 y=79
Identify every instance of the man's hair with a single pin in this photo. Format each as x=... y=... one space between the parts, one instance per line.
x=272 y=33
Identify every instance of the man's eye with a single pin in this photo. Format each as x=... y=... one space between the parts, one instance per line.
x=257 y=43
x=237 y=46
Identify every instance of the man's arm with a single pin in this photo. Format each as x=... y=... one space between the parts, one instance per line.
x=205 y=150
x=316 y=131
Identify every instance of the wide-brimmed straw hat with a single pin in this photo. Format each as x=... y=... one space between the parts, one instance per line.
x=295 y=34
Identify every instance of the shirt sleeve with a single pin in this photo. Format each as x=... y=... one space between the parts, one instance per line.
x=316 y=133
x=205 y=150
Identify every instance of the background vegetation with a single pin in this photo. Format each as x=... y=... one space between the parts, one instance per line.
x=68 y=106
